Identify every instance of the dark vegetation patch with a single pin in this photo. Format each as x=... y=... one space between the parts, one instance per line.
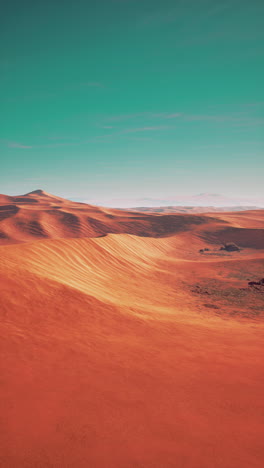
x=257 y=286
x=246 y=302
x=227 y=247
x=230 y=247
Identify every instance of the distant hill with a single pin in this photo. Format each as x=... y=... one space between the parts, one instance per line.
x=192 y=209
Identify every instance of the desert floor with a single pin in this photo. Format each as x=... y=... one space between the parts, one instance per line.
x=123 y=346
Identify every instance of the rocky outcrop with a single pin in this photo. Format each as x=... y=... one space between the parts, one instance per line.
x=230 y=247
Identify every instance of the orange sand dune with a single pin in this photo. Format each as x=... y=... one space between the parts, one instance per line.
x=39 y=215
x=131 y=350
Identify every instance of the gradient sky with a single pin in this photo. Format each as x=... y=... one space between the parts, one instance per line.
x=111 y=99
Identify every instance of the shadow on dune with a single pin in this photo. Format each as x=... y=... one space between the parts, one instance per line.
x=68 y=220
x=8 y=211
x=3 y=235
x=25 y=200
x=244 y=237
x=33 y=228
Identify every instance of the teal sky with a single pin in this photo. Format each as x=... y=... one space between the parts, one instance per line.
x=110 y=99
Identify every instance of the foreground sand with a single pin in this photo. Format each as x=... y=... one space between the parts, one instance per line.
x=127 y=351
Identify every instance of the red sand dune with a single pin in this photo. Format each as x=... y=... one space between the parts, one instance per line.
x=131 y=349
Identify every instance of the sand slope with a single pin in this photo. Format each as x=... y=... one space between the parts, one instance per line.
x=113 y=353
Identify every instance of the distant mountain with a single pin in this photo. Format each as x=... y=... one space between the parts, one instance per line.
x=191 y=209
x=200 y=200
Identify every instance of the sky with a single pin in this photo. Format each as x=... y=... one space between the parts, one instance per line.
x=126 y=99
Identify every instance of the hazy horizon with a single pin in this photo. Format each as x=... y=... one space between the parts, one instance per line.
x=196 y=200
x=117 y=100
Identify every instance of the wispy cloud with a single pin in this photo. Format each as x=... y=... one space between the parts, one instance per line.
x=172 y=116
x=127 y=131
x=234 y=120
x=14 y=144
x=149 y=115
x=17 y=145
x=63 y=138
x=239 y=118
x=145 y=129
x=123 y=117
x=146 y=123
x=255 y=104
x=139 y=138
